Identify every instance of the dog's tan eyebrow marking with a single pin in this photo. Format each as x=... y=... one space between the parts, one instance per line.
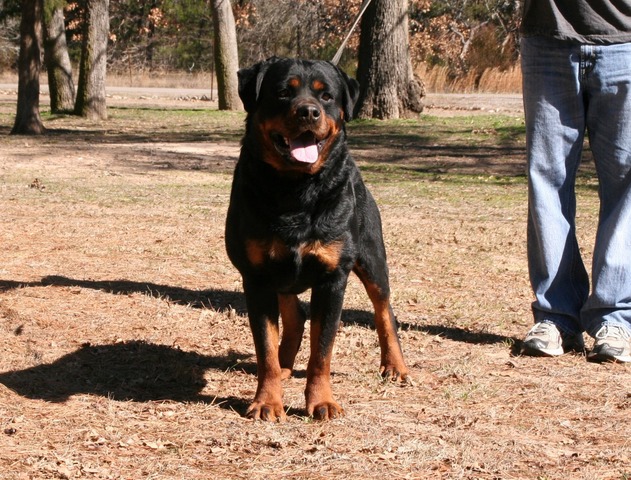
x=295 y=82
x=318 y=85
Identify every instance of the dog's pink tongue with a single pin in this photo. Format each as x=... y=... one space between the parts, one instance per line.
x=304 y=149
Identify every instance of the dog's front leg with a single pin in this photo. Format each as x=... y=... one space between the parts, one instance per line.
x=262 y=304
x=326 y=310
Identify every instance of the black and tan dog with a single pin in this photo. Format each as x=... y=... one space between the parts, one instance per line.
x=301 y=217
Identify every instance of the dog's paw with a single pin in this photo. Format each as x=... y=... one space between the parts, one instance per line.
x=325 y=410
x=397 y=374
x=266 y=411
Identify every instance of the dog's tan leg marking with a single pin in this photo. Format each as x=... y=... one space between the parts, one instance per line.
x=318 y=394
x=268 y=401
x=392 y=363
x=293 y=327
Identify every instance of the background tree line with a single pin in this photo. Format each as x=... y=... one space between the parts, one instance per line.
x=463 y=36
x=177 y=35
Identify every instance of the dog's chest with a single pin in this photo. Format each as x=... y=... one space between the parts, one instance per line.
x=274 y=254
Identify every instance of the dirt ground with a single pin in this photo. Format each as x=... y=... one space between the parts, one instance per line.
x=125 y=347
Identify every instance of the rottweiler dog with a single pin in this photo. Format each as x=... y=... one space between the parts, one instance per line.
x=300 y=217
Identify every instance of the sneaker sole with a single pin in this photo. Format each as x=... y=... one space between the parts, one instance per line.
x=604 y=358
x=540 y=352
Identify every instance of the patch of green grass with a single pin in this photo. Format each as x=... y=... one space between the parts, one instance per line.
x=146 y=124
x=427 y=148
x=388 y=173
x=500 y=130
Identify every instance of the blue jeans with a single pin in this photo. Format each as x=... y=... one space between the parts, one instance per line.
x=569 y=89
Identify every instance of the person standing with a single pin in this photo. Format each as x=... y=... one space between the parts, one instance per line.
x=576 y=73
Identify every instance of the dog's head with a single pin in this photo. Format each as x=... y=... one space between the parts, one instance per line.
x=297 y=109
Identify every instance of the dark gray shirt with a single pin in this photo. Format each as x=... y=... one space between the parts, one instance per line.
x=585 y=21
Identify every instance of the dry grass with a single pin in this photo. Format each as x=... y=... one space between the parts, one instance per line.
x=139 y=79
x=126 y=351
x=161 y=79
x=435 y=79
x=492 y=80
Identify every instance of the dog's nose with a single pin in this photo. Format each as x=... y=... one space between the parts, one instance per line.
x=308 y=112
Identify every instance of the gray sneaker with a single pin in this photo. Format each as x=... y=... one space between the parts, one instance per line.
x=613 y=344
x=546 y=340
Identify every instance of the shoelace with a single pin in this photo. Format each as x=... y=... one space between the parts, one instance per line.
x=542 y=328
x=612 y=331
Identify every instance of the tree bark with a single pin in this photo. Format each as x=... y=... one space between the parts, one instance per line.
x=388 y=87
x=226 y=55
x=90 y=101
x=27 y=118
x=58 y=66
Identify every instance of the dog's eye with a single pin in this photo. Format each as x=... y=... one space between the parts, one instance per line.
x=327 y=96
x=284 y=93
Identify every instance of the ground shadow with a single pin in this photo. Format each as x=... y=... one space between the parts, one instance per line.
x=465 y=335
x=223 y=300
x=140 y=371
x=134 y=370
x=220 y=300
x=457 y=334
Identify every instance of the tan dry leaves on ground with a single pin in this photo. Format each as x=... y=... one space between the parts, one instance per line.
x=126 y=352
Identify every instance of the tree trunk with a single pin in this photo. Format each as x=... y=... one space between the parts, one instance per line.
x=226 y=55
x=90 y=101
x=60 y=84
x=388 y=87
x=27 y=118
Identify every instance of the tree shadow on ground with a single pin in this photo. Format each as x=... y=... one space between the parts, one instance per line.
x=223 y=300
x=456 y=334
x=220 y=300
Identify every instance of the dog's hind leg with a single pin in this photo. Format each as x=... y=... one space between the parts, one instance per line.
x=326 y=310
x=293 y=317
x=373 y=273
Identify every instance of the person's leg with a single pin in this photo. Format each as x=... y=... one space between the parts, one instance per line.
x=608 y=85
x=555 y=127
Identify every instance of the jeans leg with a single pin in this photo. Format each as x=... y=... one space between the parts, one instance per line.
x=608 y=84
x=555 y=129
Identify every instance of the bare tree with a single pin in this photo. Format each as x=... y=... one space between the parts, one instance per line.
x=389 y=88
x=57 y=60
x=226 y=55
x=302 y=28
x=90 y=101
x=27 y=119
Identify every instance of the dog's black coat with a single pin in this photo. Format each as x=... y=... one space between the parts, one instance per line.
x=301 y=217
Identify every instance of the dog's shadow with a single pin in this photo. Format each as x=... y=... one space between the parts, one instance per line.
x=129 y=371
x=134 y=370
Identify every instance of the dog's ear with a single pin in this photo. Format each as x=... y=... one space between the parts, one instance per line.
x=351 y=93
x=249 y=85
x=250 y=80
